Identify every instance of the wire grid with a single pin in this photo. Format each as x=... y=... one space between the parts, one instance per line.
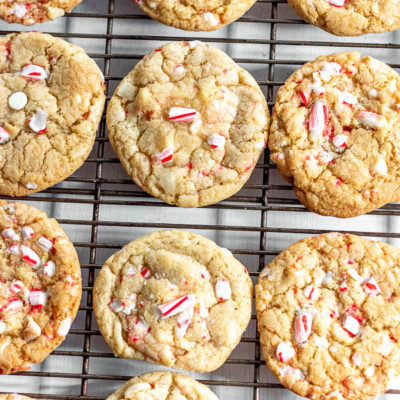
x=262 y=194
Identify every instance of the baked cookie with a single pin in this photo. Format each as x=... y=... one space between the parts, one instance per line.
x=328 y=311
x=192 y=15
x=350 y=17
x=13 y=396
x=40 y=286
x=34 y=11
x=188 y=124
x=173 y=298
x=162 y=385
x=52 y=101
x=335 y=134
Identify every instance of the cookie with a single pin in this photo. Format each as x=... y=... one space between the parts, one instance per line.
x=328 y=311
x=34 y=11
x=350 y=17
x=40 y=286
x=162 y=385
x=335 y=134
x=13 y=396
x=188 y=124
x=192 y=15
x=173 y=298
x=52 y=100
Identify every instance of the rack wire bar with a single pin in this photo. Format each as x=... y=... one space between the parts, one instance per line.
x=96 y=187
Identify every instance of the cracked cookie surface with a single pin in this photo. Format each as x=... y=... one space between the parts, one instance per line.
x=162 y=385
x=173 y=298
x=40 y=286
x=328 y=310
x=53 y=98
x=34 y=11
x=192 y=15
x=335 y=134
x=188 y=124
x=350 y=17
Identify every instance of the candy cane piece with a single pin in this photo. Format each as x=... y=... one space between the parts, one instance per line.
x=181 y=114
x=371 y=119
x=9 y=233
x=371 y=287
x=33 y=71
x=216 y=141
x=30 y=257
x=318 y=119
x=176 y=306
x=285 y=351
x=351 y=325
x=302 y=326
x=223 y=290
x=165 y=156
x=4 y=136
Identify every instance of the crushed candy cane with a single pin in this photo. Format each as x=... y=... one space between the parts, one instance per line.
x=347 y=98
x=351 y=325
x=176 y=306
x=184 y=320
x=223 y=290
x=181 y=114
x=33 y=71
x=285 y=351
x=4 y=136
x=216 y=141
x=16 y=287
x=49 y=268
x=30 y=257
x=311 y=292
x=45 y=243
x=9 y=233
x=318 y=119
x=371 y=119
x=165 y=156
x=37 y=298
x=371 y=287
x=329 y=70
x=339 y=140
x=302 y=326
x=27 y=232
x=38 y=122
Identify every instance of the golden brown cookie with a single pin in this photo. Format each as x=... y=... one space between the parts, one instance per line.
x=162 y=385
x=328 y=310
x=173 y=298
x=13 y=396
x=34 y=11
x=195 y=15
x=188 y=124
x=52 y=101
x=40 y=286
x=335 y=134
x=350 y=17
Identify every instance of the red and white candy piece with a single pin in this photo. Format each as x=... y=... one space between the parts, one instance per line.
x=30 y=257
x=179 y=69
x=64 y=327
x=16 y=287
x=145 y=272
x=311 y=292
x=27 y=232
x=12 y=305
x=116 y=305
x=17 y=101
x=184 y=320
x=45 y=243
x=351 y=325
x=336 y=3
x=318 y=118
x=37 y=298
x=49 y=269
x=285 y=351
x=223 y=290
x=165 y=156
x=19 y=10
x=216 y=141
x=9 y=233
x=339 y=140
x=316 y=86
x=302 y=326
x=38 y=121
x=371 y=287
x=181 y=114
x=4 y=136
x=347 y=98
x=33 y=71
x=176 y=306
x=304 y=97
x=371 y=119
x=329 y=70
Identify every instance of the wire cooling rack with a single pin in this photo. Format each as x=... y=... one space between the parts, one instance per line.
x=101 y=209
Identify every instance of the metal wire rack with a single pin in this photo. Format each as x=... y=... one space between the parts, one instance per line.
x=266 y=216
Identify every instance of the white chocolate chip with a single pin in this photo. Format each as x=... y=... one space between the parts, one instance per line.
x=17 y=101
x=64 y=327
x=135 y=388
x=32 y=330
